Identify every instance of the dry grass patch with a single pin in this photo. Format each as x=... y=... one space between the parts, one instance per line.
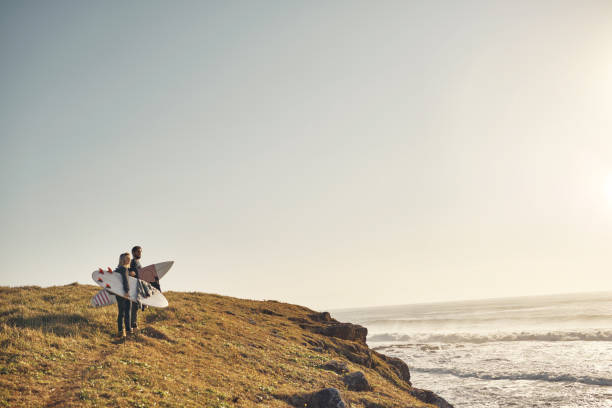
x=203 y=350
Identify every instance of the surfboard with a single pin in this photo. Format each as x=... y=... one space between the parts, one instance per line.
x=148 y=273
x=112 y=282
x=103 y=298
x=158 y=270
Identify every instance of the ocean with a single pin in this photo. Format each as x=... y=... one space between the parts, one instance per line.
x=541 y=351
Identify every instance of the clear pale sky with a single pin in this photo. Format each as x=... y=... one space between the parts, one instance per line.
x=331 y=154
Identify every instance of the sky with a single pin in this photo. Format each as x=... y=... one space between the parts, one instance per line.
x=326 y=153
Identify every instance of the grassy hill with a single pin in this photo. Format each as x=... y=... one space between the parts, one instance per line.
x=203 y=350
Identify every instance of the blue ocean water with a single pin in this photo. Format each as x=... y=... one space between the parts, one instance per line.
x=544 y=351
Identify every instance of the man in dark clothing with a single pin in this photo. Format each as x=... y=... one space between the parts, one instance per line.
x=135 y=268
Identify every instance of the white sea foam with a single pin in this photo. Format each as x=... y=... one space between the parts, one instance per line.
x=527 y=352
x=543 y=376
x=591 y=335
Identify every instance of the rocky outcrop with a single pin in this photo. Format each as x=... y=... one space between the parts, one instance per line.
x=326 y=398
x=345 y=331
x=323 y=323
x=357 y=351
x=356 y=382
x=397 y=365
x=321 y=317
x=430 y=397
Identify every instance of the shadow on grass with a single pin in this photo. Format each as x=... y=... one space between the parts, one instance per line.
x=59 y=324
x=158 y=315
x=156 y=334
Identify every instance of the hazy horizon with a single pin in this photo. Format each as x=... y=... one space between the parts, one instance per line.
x=530 y=297
x=381 y=306
x=323 y=154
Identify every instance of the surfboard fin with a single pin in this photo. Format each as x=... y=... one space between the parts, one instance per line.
x=99 y=279
x=108 y=286
x=100 y=270
x=110 y=270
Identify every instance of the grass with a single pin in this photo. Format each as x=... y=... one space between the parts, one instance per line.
x=204 y=350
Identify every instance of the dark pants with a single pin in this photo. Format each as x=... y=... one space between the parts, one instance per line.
x=124 y=313
x=134 y=318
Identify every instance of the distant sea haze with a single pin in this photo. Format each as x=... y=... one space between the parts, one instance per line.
x=514 y=352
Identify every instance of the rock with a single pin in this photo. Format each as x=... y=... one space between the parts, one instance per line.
x=356 y=353
x=321 y=317
x=335 y=366
x=398 y=366
x=356 y=382
x=430 y=397
x=401 y=368
x=327 y=398
x=345 y=331
x=323 y=323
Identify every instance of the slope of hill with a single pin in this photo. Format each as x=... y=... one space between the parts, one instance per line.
x=203 y=350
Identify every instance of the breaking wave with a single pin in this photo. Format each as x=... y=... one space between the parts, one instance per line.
x=594 y=335
x=484 y=319
x=551 y=377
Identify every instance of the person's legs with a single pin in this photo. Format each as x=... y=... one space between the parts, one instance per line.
x=127 y=316
x=119 y=315
x=123 y=315
x=134 y=315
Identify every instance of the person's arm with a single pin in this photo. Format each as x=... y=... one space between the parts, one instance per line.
x=135 y=268
x=124 y=278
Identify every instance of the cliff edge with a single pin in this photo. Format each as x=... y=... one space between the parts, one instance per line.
x=203 y=350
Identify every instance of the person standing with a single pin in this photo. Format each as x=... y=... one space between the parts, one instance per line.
x=135 y=268
x=123 y=304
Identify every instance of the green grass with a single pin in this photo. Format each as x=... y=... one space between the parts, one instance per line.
x=204 y=350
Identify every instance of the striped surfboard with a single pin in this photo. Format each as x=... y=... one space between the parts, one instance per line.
x=103 y=298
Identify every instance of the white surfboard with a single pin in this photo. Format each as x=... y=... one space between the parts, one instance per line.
x=148 y=273
x=112 y=282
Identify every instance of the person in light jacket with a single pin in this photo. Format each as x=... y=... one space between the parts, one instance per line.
x=123 y=304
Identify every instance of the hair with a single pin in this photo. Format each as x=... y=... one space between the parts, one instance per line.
x=135 y=248
x=122 y=258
